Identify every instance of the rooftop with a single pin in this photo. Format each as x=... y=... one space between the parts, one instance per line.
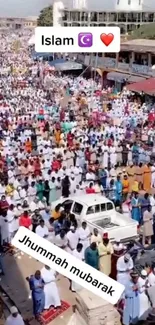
x=89 y=199
x=139 y=45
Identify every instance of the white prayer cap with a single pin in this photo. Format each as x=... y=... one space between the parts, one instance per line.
x=72 y=228
x=13 y=310
x=117 y=240
x=143 y=273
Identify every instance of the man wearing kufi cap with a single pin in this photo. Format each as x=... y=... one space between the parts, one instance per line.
x=15 y=318
x=144 y=302
x=119 y=249
x=124 y=267
x=131 y=307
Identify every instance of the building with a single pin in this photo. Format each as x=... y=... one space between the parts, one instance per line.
x=127 y=14
x=127 y=21
x=135 y=62
x=18 y=23
x=80 y=4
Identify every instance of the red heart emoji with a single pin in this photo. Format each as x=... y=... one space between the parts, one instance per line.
x=106 y=38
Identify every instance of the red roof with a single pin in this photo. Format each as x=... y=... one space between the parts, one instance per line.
x=146 y=86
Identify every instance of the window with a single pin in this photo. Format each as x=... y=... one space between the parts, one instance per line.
x=67 y=205
x=109 y=206
x=97 y=208
x=103 y=207
x=90 y=210
x=77 y=208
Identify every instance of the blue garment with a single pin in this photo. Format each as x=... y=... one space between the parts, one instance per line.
x=119 y=189
x=45 y=215
x=112 y=193
x=135 y=154
x=132 y=306
x=145 y=203
x=135 y=213
x=103 y=178
x=38 y=295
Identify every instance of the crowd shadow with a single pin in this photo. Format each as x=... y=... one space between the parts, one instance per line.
x=14 y=287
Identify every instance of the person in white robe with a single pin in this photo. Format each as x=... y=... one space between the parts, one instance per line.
x=78 y=173
x=124 y=267
x=51 y=292
x=16 y=197
x=143 y=284
x=15 y=318
x=84 y=235
x=105 y=151
x=73 y=183
x=78 y=252
x=96 y=237
x=10 y=222
x=153 y=176
x=113 y=156
x=42 y=229
x=32 y=192
x=73 y=238
x=151 y=277
x=61 y=241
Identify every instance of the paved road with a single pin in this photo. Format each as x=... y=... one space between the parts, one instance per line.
x=15 y=284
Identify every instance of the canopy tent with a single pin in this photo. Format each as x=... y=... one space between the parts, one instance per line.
x=123 y=77
x=63 y=65
x=31 y=40
x=147 y=86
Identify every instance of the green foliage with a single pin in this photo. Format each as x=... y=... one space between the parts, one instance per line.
x=46 y=17
x=144 y=32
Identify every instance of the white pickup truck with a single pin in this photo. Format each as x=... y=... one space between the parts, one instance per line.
x=100 y=213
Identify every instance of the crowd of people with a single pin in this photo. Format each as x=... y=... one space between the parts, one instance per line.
x=59 y=137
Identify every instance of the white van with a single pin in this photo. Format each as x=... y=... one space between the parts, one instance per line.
x=100 y=213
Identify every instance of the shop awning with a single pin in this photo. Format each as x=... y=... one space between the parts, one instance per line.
x=123 y=77
x=63 y=65
x=147 y=86
x=117 y=76
x=135 y=79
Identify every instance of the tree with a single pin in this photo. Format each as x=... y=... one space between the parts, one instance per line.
x=46 y=17
x=144 y=32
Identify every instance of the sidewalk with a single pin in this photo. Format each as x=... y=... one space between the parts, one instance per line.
x=15 y=285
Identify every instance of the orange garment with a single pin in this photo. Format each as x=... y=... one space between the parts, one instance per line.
x=55 y=214
x=57 y=136
x=126 y=185
x=28 y=146
x=146 y=178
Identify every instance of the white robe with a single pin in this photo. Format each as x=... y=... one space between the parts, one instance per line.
x=83 y=237
x=123 y=274
x=14 y=320
x=143 y=300
x=151 y=279
x=80 y=255
x=105 y=156
x=52 y=297
x=42 y=231
x=73 y=239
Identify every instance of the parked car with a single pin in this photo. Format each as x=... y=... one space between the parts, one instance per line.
x=99 y=212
